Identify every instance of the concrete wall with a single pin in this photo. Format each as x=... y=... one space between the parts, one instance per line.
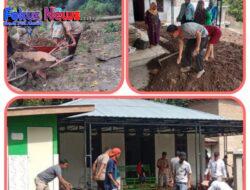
x=164 y=142
x=228 y=109
x=114 y=140
x=192 y=155
x=72 y=149
x=131 y=18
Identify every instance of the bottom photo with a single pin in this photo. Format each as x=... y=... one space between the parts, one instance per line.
x=127 y=144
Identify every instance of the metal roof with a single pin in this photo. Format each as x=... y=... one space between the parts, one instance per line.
x=138 y=108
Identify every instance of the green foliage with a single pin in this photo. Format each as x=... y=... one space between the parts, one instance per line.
x=235 y=9
x=38 y=102
x=100 y=7
x=176 y=102
x=112 y=27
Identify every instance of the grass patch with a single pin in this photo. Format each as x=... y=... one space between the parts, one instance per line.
x=112 y=27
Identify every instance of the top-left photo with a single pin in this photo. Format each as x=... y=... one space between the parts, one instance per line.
x=63 y=45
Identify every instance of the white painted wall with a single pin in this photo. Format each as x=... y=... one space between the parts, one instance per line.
x=164 y=142
x=18 y=172
x=72 y=149
x=166 y=15
x=40 y=152
x=131 y=18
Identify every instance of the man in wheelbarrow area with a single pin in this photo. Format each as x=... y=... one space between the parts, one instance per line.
x=71 y=30
x=50 y=174
x=196 y=37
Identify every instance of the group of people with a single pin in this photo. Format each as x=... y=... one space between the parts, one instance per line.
x=105 y=171
x=177 y=173
x=197 y=32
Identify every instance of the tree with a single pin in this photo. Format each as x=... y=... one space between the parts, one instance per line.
x=176 y=102
x=38 y=102
x=235 y=9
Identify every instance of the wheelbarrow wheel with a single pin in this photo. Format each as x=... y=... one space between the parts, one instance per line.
x=18 y=78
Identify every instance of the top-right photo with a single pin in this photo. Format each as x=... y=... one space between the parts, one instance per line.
x=186 y=45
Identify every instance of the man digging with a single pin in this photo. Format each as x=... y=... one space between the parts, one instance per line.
x=196 y=37
x=50 y=174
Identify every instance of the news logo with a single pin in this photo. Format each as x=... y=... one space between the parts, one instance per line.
x=21 y=18
x=35 y=18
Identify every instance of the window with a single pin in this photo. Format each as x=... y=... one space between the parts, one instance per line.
x=160 y=5
x=181 y=142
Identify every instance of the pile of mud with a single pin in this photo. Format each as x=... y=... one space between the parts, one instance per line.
x=224 y=73
x=42 y=42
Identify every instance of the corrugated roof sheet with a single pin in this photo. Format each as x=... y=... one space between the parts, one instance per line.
x=138 y=108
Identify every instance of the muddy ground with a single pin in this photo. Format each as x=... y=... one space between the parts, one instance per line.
x=224 y=73
x=85 y=72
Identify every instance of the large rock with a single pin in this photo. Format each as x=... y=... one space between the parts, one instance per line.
x=138 y=38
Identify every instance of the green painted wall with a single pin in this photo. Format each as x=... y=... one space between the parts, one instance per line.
x=20 y=125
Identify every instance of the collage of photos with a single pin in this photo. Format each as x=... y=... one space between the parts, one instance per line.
x=67 y=129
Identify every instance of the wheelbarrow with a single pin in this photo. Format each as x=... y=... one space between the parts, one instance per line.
x=24 y=63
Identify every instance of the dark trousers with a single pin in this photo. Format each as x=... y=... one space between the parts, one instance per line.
x=100 y=185
x=188 y=54
x=72 y=50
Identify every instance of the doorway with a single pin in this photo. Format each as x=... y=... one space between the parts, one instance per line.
x=139 y=10
x=40 y=152
x=140 y=147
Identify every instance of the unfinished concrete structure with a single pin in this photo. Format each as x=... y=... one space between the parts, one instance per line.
x=226 y=145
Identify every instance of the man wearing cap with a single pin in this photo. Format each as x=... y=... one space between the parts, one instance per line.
x=99 y=169
x=112 y=173
x=182 y=173
x=196 y=37
x=216 y=168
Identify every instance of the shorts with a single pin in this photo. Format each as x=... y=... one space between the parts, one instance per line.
x=215 y=37
x=162 y=180
x=41 y=185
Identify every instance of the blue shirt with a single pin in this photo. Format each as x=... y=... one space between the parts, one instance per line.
x=111 y=169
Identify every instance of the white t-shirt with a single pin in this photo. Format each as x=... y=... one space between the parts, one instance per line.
x=102 y=159
x=173 y=162
x=217 y=168
x=219 y=185
x=182 y=171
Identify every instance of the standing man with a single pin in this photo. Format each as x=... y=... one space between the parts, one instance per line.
x=112 y=173
x=99 y=169
x=216 y=168
x=197 y=37
x=163 y=170
x=182 y=173
x=50 y=174
x=186 y=13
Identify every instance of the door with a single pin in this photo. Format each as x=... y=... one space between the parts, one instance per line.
x=40 y=152
x=140 y=148
x=139 y=10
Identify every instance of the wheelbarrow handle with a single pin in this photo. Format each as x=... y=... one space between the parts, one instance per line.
x=60 y=61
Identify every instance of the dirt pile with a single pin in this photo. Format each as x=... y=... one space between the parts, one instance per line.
x=224 y=73
x=42 y=42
